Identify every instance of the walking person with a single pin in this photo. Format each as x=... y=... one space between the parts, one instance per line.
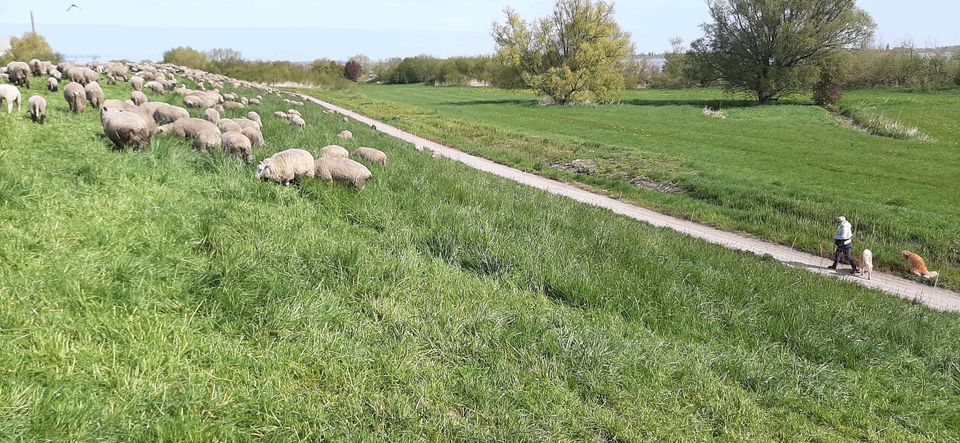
x=844 y=241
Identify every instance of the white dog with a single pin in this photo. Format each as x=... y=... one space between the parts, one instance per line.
x=866 y=264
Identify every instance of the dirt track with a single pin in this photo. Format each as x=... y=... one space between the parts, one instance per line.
x=936 y=298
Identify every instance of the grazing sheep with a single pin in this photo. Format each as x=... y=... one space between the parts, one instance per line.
x=53 y=84
x=227 y=125
x=11 y=95
x=139 y=98
x=154 y=86
x=230 y=96
x=281 y=115
x=75 y=96
x=94 y=94
x=246 y=123
x=137 y=83
x=232 y=105
x=238 y=146
x=117 y=71
x=334 y=151
x=205 y=135
x=129 y=107
x=255 y=117
x=211 y=115
x=38 y=109
x=371 y=155
x=55 y=73
x=84 y=76
x=255 y=136
x=64 y=68
x=164 y=113
x=126 y=129
x=36 y=67
x=342 y=170
x=19 y=73
x=345 y=135
x=293 y=111
x=254 y=102
x=297 y=121
x=286 y=166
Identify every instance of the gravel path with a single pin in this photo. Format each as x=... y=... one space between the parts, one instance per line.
x=936 y=298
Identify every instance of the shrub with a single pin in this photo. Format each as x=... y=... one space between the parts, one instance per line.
x=353 y=70
x=828 y=90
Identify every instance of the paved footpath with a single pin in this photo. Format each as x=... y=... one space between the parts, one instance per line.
x=936 y=298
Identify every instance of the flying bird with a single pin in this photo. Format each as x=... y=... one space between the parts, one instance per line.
x=74 y=5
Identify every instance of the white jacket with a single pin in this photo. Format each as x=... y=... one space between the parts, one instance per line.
x=844 y=232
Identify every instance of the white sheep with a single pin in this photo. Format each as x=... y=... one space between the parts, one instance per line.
x=238 y=146
x=154 y=86
x=211 y=115
x=137 y=83
x=126 y=129
x=255 y=117
x=345 y=135
x=371 y=155
x=38 y=109
x=75 y=96
x=298 y=121
x=205 y=135
x=281 y=115
x=227 y=125
x=138 y=98
x=334 y=151
x=53 y=84
x=94 y=94
x=342 y=170
x=11 y=95
x=164 y=113
x=287 y=166
x=255 y=136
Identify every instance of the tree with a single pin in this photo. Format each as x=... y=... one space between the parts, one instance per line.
x=572 y=56
x=224 y=56
x=186 y=56
x=353 y=70
x=30 y=46
x=772 y=47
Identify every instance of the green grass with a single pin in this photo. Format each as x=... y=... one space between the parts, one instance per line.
x=169 y=296
x=781 y=173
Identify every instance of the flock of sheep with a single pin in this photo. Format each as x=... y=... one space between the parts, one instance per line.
x=134 y=122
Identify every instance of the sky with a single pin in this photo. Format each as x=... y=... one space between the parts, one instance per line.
x=304 y=30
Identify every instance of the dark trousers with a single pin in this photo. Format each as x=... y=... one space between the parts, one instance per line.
x=846 y=251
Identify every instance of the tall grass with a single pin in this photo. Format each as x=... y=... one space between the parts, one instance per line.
x=169 y=296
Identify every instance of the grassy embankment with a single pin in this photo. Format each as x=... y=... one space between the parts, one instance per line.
x=781 y=173
x=169 y=296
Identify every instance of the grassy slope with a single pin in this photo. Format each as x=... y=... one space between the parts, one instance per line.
x=782 y=173
x=168 y=295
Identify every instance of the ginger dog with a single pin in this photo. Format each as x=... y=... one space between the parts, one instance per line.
x=917 y=266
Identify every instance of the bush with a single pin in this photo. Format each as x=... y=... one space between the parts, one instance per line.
x=29 y=46
x=903 y=67
x=353 y=70
x=828 y=90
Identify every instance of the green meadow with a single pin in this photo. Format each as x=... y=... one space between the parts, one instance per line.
x=782 y=173
x=168 y=295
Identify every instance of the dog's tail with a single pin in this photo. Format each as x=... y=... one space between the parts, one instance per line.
x=931 y=274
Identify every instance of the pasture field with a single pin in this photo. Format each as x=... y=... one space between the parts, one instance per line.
x=782 y=173
x=168 y=295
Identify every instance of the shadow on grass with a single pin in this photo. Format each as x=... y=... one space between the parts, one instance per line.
x=515 y=102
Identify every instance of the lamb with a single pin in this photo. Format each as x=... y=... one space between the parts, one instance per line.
x=38 y=109
x=211 y=115
x=139 y=98
x=255 y=117
x=345 y=135
x=19 y=73
x=255 y=136
x=52 y=84
x=342 y=170
x=297 y=121
x=371 y=155
x=227 y=125
x=75 y=96
x=334 y=151
x=11 y=95
x=238 y=146
x=126 y=129
x=137 y=83
x=94 y=94
x=287 y=166
x=164 y=113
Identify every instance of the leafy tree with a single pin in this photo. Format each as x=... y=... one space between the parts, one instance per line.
x=365 y=62
x=828 y=90
x=772 y=47
x=186 y=56
x=571 y=56
x=224 y=56
x=353 y=70
x=30 y=46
